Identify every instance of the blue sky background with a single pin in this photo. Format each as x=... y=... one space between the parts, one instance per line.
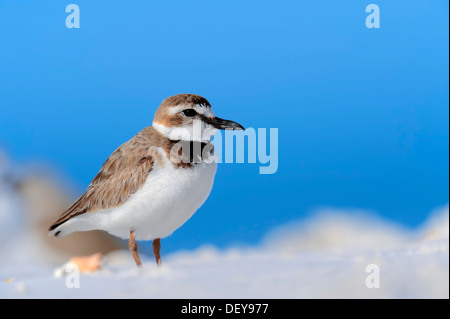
x=362 y=113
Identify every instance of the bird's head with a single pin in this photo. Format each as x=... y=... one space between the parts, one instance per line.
x=189 y=117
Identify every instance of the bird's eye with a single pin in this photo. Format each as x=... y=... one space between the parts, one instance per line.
x=190 y=112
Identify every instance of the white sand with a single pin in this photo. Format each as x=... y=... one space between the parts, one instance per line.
x=315 y=265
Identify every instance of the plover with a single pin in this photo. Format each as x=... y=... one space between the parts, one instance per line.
x=152 y=184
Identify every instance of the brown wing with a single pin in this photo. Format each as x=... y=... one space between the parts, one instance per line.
x=123 y=174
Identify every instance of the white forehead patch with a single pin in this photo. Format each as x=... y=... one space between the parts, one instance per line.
x=205 y=111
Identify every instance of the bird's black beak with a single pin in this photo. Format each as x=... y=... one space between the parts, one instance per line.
x=222 y=124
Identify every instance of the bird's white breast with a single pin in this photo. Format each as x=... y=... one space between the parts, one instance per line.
x=168 y=198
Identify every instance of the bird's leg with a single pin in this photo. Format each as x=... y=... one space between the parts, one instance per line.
x=156 y=248
x=133 y=249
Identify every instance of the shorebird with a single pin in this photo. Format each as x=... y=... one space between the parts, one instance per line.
x=152 y=184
